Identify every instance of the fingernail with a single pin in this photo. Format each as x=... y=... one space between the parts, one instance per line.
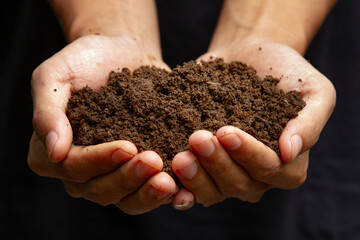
x=205 y=149
x=120 y=156
x=142 y=170
x=183 y=206
x=189 y=171
x=230 y=141
x=296 y=146
x=158 y=195
x=50 y=142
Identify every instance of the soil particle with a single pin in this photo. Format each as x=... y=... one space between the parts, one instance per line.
x=158 y=110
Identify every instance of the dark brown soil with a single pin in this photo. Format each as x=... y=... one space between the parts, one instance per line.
x=158 y=110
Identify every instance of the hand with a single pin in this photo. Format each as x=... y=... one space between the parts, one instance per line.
x=109 y=173
x=233 y=163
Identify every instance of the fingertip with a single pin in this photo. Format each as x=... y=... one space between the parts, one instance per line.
x=290 y=147
x=184 y=165
x=202 y=143
x=182 y=160
x=53 y=129
x=199 y=137
x=152 y=159
x=225 y=130
x=127 y=147
x=123 y=151
x=163 y=182
x=229 y=137
x=121 y=156
x=57 y=147
x=296 y=146
x=183 y=200
x=50 y=142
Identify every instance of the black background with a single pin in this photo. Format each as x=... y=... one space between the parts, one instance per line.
x=327 y=206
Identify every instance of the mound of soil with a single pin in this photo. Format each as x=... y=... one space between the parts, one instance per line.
x=158 y=110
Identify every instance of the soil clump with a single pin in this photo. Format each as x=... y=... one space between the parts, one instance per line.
x=158 y=110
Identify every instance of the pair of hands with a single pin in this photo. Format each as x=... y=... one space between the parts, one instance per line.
x=230 y=164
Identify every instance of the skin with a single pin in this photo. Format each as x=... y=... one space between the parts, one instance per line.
x=231 y=164
x=109 y=173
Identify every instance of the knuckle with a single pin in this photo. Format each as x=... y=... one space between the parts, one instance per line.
x=331 y=92
x=236 y=190
x=218 y=167
x=295 y=181
x=313 y=130
x=35 y=74
x=255 y=196
x=211 y=201
x=34 y=166
x=40 y=71
x=71 y=190
x=124 y=185
x=72 y=173
x=298 y=181
x=333 y=98
x=254 y=199
x=95 y=193
x=207 y=203
x=129 y=211
x=37 y=118
x=265 y=173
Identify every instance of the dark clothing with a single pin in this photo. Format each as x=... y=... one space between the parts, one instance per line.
x=326 y=207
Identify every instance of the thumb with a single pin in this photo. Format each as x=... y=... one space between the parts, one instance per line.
x=49 y=119
x=302 y=132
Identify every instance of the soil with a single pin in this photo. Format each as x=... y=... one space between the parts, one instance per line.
x=158 y=110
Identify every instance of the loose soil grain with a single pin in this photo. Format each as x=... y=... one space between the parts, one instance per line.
x=158 y=110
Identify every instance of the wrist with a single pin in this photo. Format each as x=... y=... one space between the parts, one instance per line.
x=82 y=25
x=134 y=19
x=260 y=33
x=292 y=23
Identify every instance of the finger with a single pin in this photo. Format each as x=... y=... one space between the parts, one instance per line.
x=111 y=188
x=302 y=132
x=82 y=162
x=183 y=200
x=262 y=163
x=195 y=179
x=292 y=175
x=155 y=192
x=230 y=178
x=50 y=97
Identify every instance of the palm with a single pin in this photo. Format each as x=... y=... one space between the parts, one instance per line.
x=85 y=62
x=89 y=60
x=278 y=60
x=295 y=73
x=108 y=173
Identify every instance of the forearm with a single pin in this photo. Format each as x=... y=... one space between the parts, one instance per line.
x=135 y=18
x=293 y=23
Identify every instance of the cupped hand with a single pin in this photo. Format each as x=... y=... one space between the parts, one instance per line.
x=109 y=173
x=234 y=164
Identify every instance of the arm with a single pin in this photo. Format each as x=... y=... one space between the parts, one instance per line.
x=293 y=23
x=105 y=35
x=268 y=35
x=135 y=18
